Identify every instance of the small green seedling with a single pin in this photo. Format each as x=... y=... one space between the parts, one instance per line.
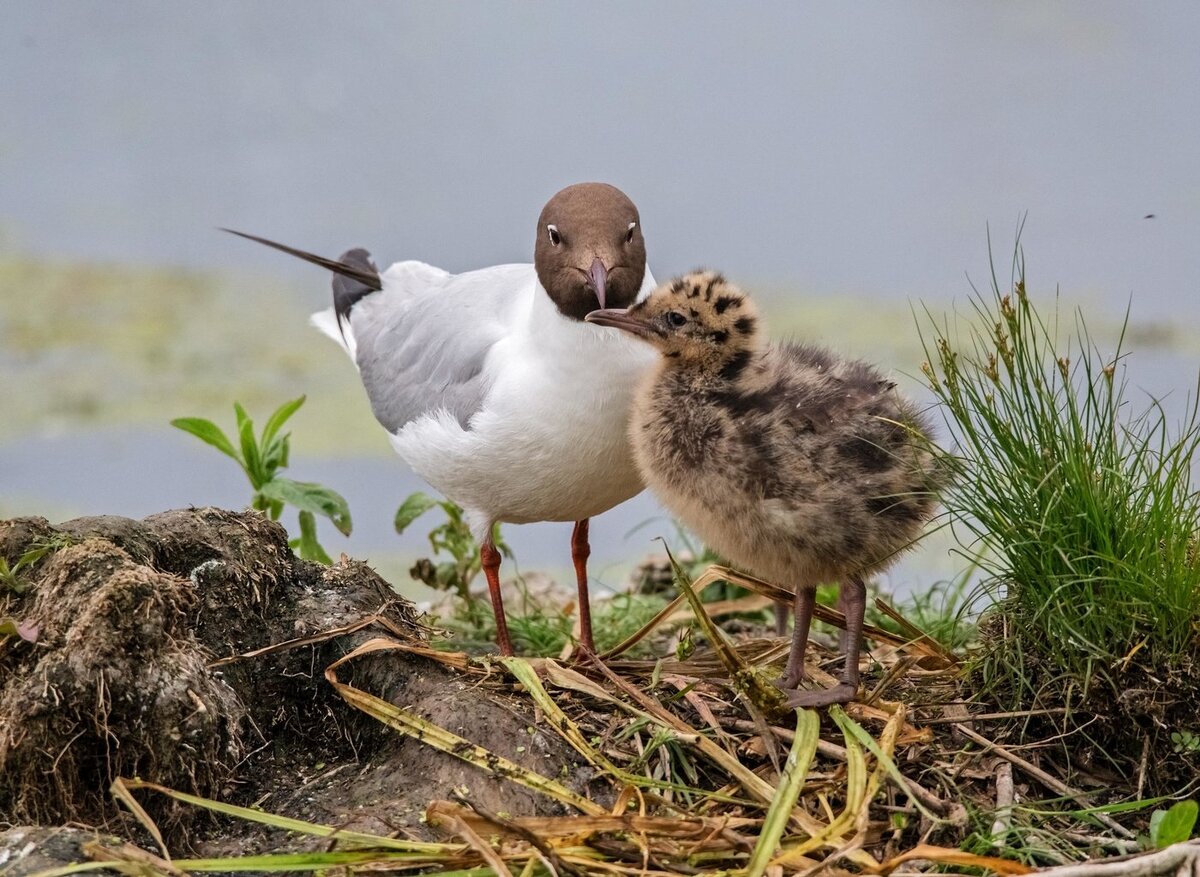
x=1174 y=825
x=452 y=536
x=1185 y=741
x=11 y=575
x=261 y=459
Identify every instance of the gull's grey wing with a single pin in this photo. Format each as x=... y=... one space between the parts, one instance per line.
x=421 y=340
x=421 y=344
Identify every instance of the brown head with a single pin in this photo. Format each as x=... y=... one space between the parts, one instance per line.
x=590 y=252
x=699 y=320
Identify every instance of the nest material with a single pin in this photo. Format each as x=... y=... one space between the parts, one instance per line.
x=675 y=765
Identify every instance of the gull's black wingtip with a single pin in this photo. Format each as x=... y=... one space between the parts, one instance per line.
x=349 y=289
x=355 y=275
x=362 y=270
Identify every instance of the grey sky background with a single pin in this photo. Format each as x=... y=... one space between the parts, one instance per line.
x=831 y=147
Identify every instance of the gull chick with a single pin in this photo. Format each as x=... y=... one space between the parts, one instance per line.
x=797 y=465
x=490 y=384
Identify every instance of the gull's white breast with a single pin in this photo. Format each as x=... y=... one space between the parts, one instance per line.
x=550 y=442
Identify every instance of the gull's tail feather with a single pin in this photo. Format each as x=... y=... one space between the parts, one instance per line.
x=327 y=322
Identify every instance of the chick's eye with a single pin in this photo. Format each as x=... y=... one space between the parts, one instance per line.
x=629 y=232
x=675 y=319
x=555 y=237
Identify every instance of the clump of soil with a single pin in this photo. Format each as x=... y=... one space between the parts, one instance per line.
x=121 y=682
x=1132 y=725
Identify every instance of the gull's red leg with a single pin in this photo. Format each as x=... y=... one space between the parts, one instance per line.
x=490 y=559
x=580 y=550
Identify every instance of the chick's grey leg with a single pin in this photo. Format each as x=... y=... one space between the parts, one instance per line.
x=490 y=560
x=802 y=608
x=781 y=616
x=855 y=600
x=844 y=633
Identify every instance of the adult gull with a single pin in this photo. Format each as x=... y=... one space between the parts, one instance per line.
x=491 y=385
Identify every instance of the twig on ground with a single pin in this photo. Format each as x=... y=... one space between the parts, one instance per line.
x=824 y=747
x=1045 y=779
x=1122 y=846
x=1180 y=860
x=555 y=865
x=986 y=717
x=1144 y=763
x=1004 y=802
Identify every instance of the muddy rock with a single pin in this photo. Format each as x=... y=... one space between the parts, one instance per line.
x=26 y=850
x=122 y=682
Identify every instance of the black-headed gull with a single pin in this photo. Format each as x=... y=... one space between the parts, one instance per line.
x=796 y=464
x=491 y=385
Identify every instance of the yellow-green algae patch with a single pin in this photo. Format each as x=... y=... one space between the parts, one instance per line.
x=90 y=345
x=87 y=345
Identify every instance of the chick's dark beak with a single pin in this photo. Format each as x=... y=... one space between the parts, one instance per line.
x=598 y=279
x=619 y=318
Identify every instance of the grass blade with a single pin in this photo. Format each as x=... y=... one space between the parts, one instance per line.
x=120 y=790
x=446 y=741
x=287 y=823
x=795 y=770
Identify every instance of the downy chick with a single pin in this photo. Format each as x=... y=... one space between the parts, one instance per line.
x=797 y=465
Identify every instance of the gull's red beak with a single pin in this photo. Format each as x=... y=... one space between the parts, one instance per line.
x=598 y=279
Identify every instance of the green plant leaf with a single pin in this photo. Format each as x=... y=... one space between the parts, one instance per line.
x=415 y=505
x=274 y=455
x=254 y=467
x=310 y=497
x=278 y=419
x=209 y=433
x=795 y=771
x=307 y=544
x=1174 y=825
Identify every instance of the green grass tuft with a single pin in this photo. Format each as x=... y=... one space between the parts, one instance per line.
x=1082 y=513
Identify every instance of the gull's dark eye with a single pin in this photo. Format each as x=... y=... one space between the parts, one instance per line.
x=629 y=232
x=555 y=237
x=675 y=319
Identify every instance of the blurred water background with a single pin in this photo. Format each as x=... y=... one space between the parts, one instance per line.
x=845 y=163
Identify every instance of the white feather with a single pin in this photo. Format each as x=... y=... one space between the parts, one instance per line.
x=549 y=442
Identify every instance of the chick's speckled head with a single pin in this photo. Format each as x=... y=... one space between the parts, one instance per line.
x=700 y=319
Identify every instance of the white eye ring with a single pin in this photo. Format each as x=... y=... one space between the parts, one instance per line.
x=629 y=232
x=552 y=232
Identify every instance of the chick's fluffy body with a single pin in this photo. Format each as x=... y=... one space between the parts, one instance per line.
x=799 y=466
